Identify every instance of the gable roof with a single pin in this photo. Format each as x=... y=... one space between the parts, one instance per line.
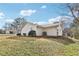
x=55 y=24
x=49 y=25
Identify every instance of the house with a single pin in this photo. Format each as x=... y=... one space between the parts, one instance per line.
x=52 y=29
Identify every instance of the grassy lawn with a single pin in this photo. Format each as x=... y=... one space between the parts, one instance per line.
x=31 y=46
x=77 y=36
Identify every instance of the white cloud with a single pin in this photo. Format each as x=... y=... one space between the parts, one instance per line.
x=6 y=20
x=64 y=18
x=2 y=15
x=27 y=12
x=9 y=20
x=43 y=6
x=54 y=19
x=40 y=22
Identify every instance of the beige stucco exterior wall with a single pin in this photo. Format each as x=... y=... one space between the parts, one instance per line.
x=28 y=28
x=51 y=31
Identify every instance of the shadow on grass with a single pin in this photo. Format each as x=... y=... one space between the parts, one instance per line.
x=13 y=37
x=21 y=38
x=63 y=40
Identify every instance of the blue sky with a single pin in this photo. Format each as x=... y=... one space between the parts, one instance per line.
x=35 y=12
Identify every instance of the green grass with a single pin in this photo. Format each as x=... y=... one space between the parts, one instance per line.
x=77 y=36
x=31 y=46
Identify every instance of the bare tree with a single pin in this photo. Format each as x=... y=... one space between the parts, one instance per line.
x=18 y=24
x=74 y=9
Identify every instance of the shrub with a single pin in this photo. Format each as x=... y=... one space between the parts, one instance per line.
x=18 y=34
x=24 y=34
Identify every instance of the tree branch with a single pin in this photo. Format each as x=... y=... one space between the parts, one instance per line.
x=72 y=13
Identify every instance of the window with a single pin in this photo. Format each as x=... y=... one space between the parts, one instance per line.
x=44 y=34
x=32 y=33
